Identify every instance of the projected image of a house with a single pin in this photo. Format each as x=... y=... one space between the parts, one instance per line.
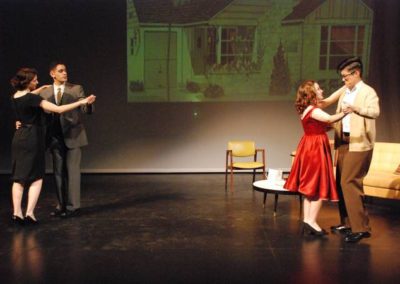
x=240 y=50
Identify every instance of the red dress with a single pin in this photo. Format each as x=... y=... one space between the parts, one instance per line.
x=312 y=170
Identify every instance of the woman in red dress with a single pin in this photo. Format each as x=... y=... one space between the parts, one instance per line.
x=312 y=169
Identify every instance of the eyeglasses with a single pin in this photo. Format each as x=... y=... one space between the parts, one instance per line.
x=344 y=76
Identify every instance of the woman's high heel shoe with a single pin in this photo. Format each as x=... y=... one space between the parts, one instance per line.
x=307 y=229
x=18 y=220
x=30 y=220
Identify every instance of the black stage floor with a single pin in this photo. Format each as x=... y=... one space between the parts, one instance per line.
x=184 y=228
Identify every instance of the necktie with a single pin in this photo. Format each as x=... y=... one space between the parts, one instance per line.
x=59 y=96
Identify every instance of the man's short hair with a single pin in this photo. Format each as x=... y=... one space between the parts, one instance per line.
x=351 y=63
x=54 y=64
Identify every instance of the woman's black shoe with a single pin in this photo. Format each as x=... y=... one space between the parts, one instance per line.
x=307 y=229
x=18 y=220
x=30 y=221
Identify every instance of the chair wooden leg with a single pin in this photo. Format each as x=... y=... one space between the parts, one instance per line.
x=226 y=168
x=226 y=178
x=231 y=179
x=254 y=175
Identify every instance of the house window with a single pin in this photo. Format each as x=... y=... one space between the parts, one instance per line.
x=237 y=45
x=230 y=48
x=338 y=43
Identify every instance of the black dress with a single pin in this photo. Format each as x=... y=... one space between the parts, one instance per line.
x=28 y=144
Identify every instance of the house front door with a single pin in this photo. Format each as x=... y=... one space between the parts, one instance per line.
x=160 y=68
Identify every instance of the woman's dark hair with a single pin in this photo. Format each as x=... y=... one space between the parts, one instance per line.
x=23 y=77
x=306 y=95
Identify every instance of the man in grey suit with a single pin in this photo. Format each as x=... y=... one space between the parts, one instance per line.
x=65 y=137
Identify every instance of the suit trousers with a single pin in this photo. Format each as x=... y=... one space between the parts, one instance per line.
x=351 y=169
x=67 y=174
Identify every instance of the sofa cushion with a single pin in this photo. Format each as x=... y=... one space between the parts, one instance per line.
x=384 y=179
x=385 y=157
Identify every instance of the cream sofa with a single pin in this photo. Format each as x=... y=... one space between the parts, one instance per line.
x=381 y=180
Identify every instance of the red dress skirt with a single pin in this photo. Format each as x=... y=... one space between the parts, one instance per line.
x=312 y=170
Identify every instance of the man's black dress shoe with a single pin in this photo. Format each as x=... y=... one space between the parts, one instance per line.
x=342 y=229
x=356 y=237
x=56 y=213
x=70 y=213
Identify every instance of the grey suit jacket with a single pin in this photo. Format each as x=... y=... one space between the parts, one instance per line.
x=71 y=122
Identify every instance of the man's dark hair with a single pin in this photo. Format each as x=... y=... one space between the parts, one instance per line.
x=54 y=64
x=351 y=63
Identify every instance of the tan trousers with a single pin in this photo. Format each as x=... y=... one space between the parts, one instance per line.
x=351 y=169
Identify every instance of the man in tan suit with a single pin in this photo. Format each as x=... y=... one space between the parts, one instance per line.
x=354 y=141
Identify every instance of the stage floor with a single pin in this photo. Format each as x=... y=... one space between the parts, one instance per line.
x=185 y=228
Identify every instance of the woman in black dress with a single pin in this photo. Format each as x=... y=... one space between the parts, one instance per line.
x=28 y=144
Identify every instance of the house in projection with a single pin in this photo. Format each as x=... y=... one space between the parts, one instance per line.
x=239 y=50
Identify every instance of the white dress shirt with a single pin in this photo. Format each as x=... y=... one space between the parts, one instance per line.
x=349 y=97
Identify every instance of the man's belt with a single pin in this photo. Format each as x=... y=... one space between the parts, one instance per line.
x=346 y=137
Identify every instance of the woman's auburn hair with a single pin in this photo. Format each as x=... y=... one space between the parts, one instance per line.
x=306 y=95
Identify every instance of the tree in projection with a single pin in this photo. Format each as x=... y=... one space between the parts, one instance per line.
x=280 y=78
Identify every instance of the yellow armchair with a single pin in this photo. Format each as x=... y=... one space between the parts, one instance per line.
x=240 y=150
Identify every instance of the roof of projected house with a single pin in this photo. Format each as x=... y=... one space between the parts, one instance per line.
x=164 y=11
x=304 y=8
